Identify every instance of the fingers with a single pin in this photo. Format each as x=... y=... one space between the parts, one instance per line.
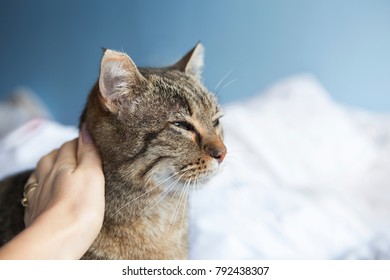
x=31 y=197
x=66 y=160
x=87 y=154
x=44 y=166
x=48 y=170
x=41 y=175
x=56 y=162
x=63 y=177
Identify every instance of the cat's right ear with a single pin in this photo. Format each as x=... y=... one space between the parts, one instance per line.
x=118 y=79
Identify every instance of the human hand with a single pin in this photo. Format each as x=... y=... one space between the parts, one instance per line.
x=65 y=211
x=70 y=179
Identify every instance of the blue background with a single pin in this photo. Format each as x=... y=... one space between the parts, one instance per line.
x=54 y=47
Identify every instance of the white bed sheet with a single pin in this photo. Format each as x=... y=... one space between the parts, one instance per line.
x=304 y=178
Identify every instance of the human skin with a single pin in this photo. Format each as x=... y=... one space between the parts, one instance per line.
x=66 y=210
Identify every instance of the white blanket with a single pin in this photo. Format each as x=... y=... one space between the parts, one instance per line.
x=304 y=178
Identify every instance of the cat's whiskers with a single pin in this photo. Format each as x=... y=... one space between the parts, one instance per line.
x=158 y=199
x=176 y=191
x=191 y=202
x=186 y=191
x=144 y=193
x=226 y=85
x=178 y=204
x=134 y=199
x=176 y=211
x=173 y=219
x=147 y=183
x=217 y=87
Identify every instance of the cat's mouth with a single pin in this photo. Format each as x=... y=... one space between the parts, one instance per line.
x=190 y=176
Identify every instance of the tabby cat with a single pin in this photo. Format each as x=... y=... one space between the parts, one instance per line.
x=158 y=133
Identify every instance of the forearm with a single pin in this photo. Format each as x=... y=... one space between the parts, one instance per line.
x=51 y=236
x=65 y=211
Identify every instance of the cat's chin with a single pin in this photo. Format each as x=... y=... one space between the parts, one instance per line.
x=171 y=182
x=170 y=179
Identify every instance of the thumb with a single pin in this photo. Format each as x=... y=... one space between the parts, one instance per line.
x=87 y=154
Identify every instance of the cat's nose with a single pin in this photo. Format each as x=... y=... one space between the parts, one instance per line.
x=217 y=150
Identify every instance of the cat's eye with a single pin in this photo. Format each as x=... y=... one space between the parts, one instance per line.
x=184 y=125
x=216 y=122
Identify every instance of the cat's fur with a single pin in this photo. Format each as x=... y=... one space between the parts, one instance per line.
x=158 y=134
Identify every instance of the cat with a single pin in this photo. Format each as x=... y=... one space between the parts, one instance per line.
x=159 y=136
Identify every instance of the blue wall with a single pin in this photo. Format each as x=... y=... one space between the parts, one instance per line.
x=54 y=47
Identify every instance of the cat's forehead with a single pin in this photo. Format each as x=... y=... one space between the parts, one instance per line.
x=184 y=90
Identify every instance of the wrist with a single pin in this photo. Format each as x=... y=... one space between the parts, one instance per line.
x=55 y=234
x=71 y=231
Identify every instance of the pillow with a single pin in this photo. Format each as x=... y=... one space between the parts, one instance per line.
x=295 y=182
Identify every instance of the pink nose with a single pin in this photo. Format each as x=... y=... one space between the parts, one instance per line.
x=217 y=150
x=221 y=155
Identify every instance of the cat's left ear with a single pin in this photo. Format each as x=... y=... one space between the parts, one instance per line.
x=192 y=62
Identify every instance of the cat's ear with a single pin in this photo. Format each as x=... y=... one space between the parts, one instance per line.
x=192 y=62
x=118 y=79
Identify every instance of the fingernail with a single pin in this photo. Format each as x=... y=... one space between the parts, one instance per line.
x=85 y=135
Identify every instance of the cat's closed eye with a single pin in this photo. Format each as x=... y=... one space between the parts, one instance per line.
x=184 y=125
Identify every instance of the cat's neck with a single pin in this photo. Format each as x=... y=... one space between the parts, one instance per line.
x=130 y=198
x=144 y=217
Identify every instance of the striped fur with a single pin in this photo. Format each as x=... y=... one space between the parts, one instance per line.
x=159 y=137
x=158 y=133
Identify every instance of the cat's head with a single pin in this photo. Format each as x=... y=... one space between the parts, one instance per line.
x=156 y=124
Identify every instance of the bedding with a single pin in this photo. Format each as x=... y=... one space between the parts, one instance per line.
x=304 y=178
